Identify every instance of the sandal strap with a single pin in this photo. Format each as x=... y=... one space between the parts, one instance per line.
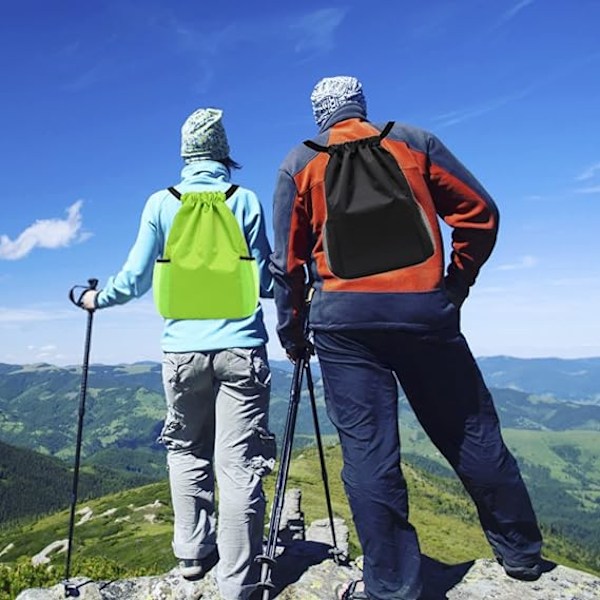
x=351 y=592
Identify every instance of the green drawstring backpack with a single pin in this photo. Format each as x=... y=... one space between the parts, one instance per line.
x=206 y=271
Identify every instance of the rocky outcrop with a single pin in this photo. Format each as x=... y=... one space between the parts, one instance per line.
x=479 y=580
x=305 y=570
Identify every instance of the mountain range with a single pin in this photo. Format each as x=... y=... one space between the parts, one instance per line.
x=125 y=405
x=549 y=409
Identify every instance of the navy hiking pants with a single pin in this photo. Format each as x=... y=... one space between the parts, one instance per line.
x=448 y=395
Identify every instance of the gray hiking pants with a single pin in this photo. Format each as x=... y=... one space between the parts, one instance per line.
x=217 y=425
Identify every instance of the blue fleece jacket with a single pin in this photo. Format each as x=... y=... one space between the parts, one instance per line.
x=135 y=277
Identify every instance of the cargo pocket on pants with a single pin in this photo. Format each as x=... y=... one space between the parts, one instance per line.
x=177 y=375
x=260 y=366
x=263 y=450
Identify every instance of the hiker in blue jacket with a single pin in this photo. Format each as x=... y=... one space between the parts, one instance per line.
x=391 y=326
x=216 y=379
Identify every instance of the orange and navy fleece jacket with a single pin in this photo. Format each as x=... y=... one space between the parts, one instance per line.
x=415 y=298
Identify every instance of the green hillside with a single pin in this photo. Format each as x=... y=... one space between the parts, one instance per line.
x=557 y=443
x=562 y=471
x=133 y=528
x=32 y=484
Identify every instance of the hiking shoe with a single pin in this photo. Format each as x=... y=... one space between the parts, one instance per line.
x=196 y=568
x=191 y=568
x=527 y=572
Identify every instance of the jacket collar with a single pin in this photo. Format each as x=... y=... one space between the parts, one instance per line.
x=352 y=110
x=205 y=171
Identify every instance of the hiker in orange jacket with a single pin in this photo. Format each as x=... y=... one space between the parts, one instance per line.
x=401 y=325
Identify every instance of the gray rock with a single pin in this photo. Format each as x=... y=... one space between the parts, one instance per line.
x=297 y=577
x=486 y=579
x=320 y=531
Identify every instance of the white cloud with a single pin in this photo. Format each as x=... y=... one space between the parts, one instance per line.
x=86 y=78
x=311 y=32
x=458 y=116
x=589 y=173
x=594 y=189
x=46 y=353
x=46 y=233
x=511 y=13
x=577 y=282
x=525 y=262
x=13 y=316
x=308 y=35
x=47 y=348
x=317 y=30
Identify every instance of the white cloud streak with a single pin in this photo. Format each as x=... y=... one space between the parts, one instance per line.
x=46 y=233
x=526 y=262
x=595 y=189
x=13 y=316
x=458 y=116
x=308 y=35
x=511 y=13
x=47 y=353
x=312 y=32
x=589 y=173
x=316 y=31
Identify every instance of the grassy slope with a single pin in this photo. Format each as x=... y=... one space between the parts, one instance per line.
x=549 y=448
x=572 y=458
x=443 y=516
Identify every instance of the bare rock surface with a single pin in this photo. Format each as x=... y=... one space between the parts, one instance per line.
x=295 y=578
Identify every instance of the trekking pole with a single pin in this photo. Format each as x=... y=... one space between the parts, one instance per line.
x=268 y=558
x=338 y=555
x=70 y=589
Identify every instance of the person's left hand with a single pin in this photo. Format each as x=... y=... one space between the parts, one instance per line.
x=88 y=300
x=304 y=350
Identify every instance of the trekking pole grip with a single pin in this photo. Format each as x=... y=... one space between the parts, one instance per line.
x=92 y=285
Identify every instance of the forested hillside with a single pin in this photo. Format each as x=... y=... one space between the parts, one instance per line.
x=32 y=484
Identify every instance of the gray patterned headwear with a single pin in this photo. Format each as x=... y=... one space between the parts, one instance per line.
x=203 y=136
x=333 y=92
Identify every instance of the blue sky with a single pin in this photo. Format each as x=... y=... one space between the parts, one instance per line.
x=94 y=94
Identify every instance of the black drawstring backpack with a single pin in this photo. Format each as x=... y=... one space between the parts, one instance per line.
x=373 y=223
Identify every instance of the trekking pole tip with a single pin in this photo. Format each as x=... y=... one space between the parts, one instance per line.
x=339 y=556
x=71 y=590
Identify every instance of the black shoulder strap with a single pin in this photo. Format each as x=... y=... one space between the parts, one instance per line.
x=386 y=130
x=231 y=191
x=316 y=147
x=175 y=192
x=228 y=192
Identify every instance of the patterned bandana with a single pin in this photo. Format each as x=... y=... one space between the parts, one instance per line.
x=333 y=92
x=203 y=136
